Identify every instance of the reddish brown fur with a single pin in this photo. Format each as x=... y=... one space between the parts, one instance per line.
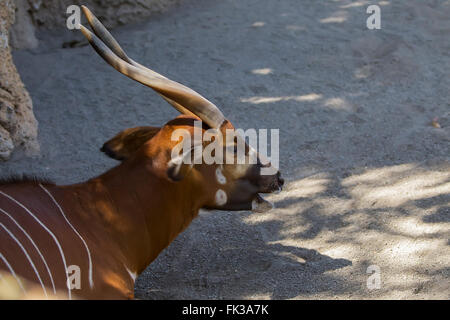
x=127 y=216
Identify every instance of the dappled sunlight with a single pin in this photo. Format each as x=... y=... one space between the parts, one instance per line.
x=262 y=71
x=338 y=104
x=300 y=98
x=257 y=296
x=258 y=24
x=340 y=250
x=363 y=72
x=364 y=3
x=367 y=179
x=378 y=174
x=291 y=229
x=377 y=218
x=337 y=17
x=407 y=185
x=278 y=214
x=406 y=248
x=415 y=227
x=334 y=103
x=304 y=188
x=406 y=257
x=307 y=187
x=339 y=205
x=355 y=4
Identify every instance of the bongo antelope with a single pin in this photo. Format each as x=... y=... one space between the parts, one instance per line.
x=113 y=226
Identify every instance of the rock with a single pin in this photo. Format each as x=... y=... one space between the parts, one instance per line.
x=6 y=144
x=52 y=13
x=18 y=20
x=22 y=33
x=18 y=126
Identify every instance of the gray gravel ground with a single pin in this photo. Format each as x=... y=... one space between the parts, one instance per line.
x=368 y=176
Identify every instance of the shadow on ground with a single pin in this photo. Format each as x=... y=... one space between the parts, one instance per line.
x=395 y=217
x=368 y=175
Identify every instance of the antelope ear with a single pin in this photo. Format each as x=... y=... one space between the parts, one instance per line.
x=127 y=142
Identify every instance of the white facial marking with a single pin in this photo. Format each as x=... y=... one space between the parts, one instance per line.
x=220 y=177
x=221 y=197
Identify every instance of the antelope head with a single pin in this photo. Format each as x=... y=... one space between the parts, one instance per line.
x=228 y=185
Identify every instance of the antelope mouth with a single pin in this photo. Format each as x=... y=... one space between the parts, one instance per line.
x=261 y=205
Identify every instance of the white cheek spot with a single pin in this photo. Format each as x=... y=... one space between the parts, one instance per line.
x=220 y=177
x=221 y=197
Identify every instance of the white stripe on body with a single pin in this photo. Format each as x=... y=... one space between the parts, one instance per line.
x=46 y=229
x=91 y=282
x=35 y=246
x=11 y=270
x=28 y=257
x=132 y=274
